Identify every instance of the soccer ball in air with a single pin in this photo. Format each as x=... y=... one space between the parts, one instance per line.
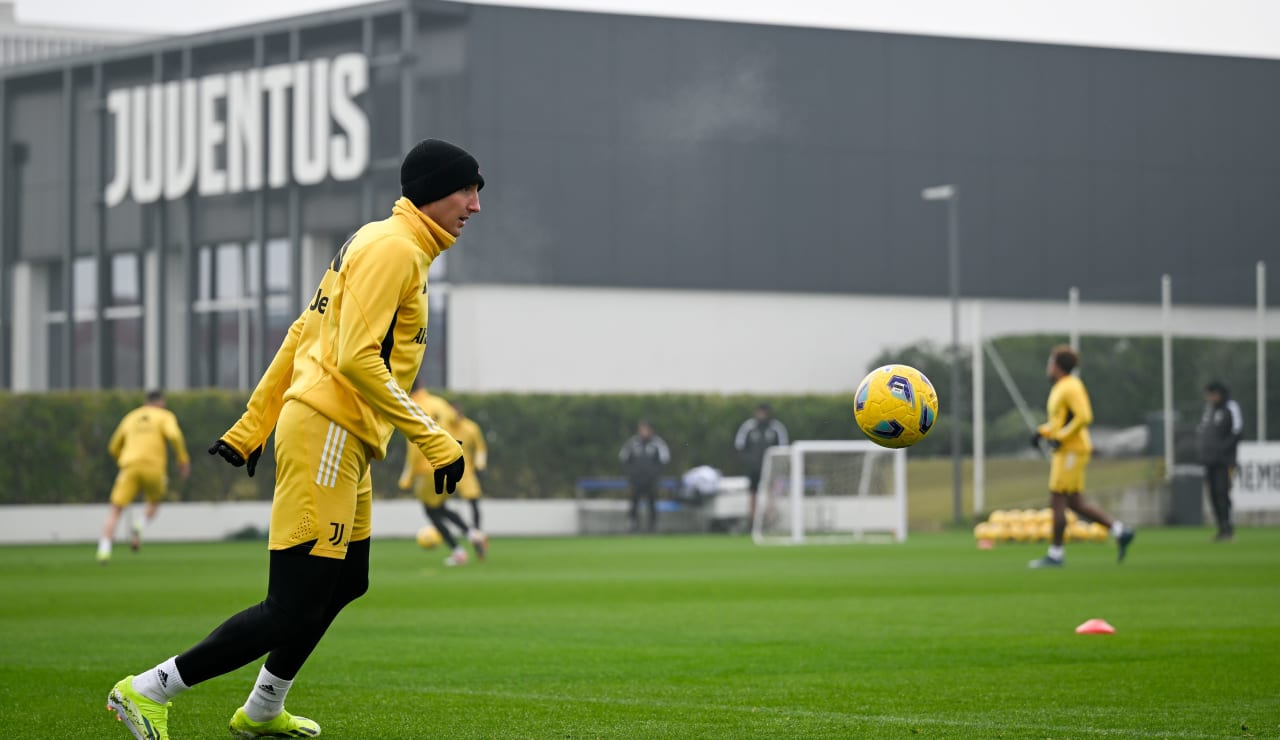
x=895 y=405
x=428 y=537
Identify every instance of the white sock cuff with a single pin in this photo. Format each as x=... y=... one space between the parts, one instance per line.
x=161 y=683
x=266 y=700
x=265 y=676
x=1117 y=528
x=1056 y=552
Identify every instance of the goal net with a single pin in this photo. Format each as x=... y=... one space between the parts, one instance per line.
x=831 y=491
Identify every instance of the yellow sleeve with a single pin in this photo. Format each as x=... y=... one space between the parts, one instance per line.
x=263 y=410
x=481 y=455
x=173 y=433
x=372 y=293
x=1076 y=401
x=116 y=445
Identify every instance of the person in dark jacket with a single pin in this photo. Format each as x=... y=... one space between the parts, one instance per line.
x=643 y=459
x=756 y=435
x=1221 y=427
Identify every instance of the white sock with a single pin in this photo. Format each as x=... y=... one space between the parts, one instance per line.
x=161 y=683
x=104 y=546
x=1117 y=528
x=1057 y=552
x=267 y=698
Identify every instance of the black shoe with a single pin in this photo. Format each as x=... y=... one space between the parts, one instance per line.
x=1225 y=537
x=1123 y=542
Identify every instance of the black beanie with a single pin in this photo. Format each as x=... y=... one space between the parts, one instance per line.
x=434 y=168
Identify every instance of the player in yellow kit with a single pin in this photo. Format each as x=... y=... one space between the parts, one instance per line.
x=415 y=476
x=1067 y=434
x=334 y=393
x=140 y=448
x=467 y=431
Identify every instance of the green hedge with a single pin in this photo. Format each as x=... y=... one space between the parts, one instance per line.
x=539 y=444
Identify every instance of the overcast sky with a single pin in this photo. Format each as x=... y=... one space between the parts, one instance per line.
x=1235 y=27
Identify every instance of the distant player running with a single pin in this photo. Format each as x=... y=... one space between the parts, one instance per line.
x=1067 y=434
x=416 y=475
x=139 y=447
x=467 y=431
x=334 y=394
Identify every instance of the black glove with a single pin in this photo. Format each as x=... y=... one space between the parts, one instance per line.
x=1035 y=440
x=1054 y=444
x=230 y=455
x=447 y=477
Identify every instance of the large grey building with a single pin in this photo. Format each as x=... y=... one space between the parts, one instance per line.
x=21 y=43
x=672 y=204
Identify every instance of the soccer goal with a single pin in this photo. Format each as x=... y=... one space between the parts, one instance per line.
x=831 y=491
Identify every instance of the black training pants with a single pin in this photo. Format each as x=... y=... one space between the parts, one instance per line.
x=441 y=514
x=1219 y=479
x=304 y=594
x=647 y=492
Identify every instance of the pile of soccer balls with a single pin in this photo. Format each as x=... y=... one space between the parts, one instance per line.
x=1032 y=525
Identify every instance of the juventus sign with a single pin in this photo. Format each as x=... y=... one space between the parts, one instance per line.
x=227 y=133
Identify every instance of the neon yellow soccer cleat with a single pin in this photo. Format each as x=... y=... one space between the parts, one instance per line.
x=283 y=725
x=145 y=718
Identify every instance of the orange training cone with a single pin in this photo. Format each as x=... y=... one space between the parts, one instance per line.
x=1095 y=627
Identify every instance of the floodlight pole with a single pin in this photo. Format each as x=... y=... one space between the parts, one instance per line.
x=951 y=194
x=1262 y=351
x=1073 y=317
x=1166 y=361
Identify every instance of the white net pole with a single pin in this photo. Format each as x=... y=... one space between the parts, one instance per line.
x=864 y=480
x=797 y=495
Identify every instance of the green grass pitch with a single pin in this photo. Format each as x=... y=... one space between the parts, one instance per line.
x=684 y=637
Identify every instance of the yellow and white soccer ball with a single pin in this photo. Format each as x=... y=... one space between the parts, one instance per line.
x=428 y=537
x=895 y=406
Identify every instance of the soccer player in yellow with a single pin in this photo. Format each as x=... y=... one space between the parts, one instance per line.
x=467 y=431
x=139 y=448
x=415 y=475
x=1067 y=434
x=334 y=393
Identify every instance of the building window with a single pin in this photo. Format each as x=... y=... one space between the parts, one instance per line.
x=122 y=314
x=83 y=304
x=226 y=310
x=124 y=317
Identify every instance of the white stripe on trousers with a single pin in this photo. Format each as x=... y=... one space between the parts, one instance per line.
x=324 y=455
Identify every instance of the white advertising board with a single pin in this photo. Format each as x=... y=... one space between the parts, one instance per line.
x=1257 y=483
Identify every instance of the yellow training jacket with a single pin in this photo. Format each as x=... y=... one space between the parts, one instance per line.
x=140 y=438
x=357 y=347
x=1070 y=414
